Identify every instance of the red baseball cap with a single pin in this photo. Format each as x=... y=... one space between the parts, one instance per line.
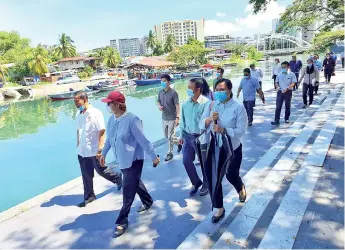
x=114 y=96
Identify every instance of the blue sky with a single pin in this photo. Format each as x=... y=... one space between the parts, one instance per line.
x=92 y=24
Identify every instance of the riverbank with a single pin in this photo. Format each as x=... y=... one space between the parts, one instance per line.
x=175 y=216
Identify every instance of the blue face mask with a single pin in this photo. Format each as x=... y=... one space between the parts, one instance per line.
x=218 y=74
x=284 y=70
x=81 y=108
x=190 y=93
x=310 y=64
x=164 y=85
x=245 y=77
x=220 y=95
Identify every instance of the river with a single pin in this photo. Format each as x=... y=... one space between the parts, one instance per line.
x=38 y=138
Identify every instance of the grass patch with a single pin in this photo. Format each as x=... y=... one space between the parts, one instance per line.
x=11 y=85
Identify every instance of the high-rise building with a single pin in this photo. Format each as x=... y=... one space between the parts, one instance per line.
x=217 y=42
x=143 y=46
x=129 y=47
x=181 y=30
x=113 y=44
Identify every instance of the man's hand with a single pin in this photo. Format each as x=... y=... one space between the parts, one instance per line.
x=180 y=141
x=177 y=122
x=98 y=155
x=160 y=108
x=156 y=161
x=217 y=129
x=284 y=91
x=102 y=161
x=215 y=116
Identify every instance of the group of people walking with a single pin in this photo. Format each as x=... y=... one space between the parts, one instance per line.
x=212 y=125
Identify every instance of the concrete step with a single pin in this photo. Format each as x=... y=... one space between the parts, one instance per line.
x=299 y=133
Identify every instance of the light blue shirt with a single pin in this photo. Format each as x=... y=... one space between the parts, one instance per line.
x=285 y=80
x=232 y=117
x=318 y=65
x=126 y=138
x=191 y=113
x=249 y=87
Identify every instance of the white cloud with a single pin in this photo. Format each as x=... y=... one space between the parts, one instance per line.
x=220 y=14
x=214 y=27
x=249 y=25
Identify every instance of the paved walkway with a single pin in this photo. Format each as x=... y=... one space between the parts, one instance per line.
x=178 y=220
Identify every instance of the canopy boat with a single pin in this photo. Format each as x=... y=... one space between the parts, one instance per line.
x=70 y=94
x=147 y=82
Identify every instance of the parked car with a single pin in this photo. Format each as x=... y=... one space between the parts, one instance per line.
x=68 y=79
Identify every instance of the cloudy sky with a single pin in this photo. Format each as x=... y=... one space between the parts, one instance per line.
x=92 y=24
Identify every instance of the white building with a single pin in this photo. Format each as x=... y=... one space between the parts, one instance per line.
x=113 y=44
x=181 y=30
x=143 y=46
x=77 y=62
x=129 y=47
x=217 y=42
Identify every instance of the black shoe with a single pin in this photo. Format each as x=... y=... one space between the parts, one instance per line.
x=194 y=189
x=119 y=230
x=275 y=123
x=169 y=157
x=304 y=106
x=85 y=202
x=203 y=191
x=143 y=208
x=215 y=219
x=250 y=124
x=179 y=148
x=287 y=121
x=242 y=198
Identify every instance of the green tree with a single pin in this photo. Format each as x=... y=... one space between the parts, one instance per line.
x=254 y=54
x=169 y=43
x=100 y=53
x=65 y=48
x=236 y=49
x=38 y=65
x=112 y=58
x=151 y=40
x=158 y=49
x=194 y=52
x=13 y=48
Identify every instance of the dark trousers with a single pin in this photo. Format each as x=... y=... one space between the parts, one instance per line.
x=132 y=185
x=260 y=83
x=274 y=81
x=233 y=176
x=296 y=85
x=249 y=105
x=316 y=88
x=342 y=62
x=328 y=75
x=87 y=167
x=281 y=98
x=188 y=152
x=308 y=88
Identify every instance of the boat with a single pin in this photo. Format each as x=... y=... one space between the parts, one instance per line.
x=198 y=74
x=70 y=94
x=148 y=82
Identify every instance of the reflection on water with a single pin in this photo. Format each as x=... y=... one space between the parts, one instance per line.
x=38 y=138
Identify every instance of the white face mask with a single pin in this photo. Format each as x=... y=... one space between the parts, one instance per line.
x=109 y=110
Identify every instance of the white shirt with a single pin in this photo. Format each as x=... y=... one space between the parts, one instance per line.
x=257 y=73
x=276 y=69
x=89 y=125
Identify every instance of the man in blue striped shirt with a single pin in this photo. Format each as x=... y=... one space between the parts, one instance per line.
x=126 y=138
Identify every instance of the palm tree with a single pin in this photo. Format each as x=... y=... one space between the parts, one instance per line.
x=65 y=48
x=169 y=43
x=100 y=53
x=38 y=65
x=112 y=58
x=151 y=40
x=158 y=49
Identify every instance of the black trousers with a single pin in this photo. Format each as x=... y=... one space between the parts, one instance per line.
x=249 y=105
x=316 y=88
x=260 y=83
x=281 y=98
x=87 y=167
x=274 y=81
x=328 y=75
x=342 y=62
x=308 y=88
x=132 y=185
x=233 y=176
x=296 y=85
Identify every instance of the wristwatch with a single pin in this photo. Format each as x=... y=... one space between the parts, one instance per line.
x=99 y=151
x=177 y=117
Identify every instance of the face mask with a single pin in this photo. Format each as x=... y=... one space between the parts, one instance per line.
x=276 y=62
x=245 y=76
x=221 y=95
x=218 y=74
x=327 y=57
x=190 y=93
x=81 y=108
x=284 y=71
x=164 y=85
x=310 y=64
x=109 y=110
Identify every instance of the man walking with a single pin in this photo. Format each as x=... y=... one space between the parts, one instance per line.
x=192 y=110
x=126 y=138
x=256 y=73
x=168 y=103
x=295 y=67
x=219 y=75
x=250 y=86
x=285 y=81
x=90 y=141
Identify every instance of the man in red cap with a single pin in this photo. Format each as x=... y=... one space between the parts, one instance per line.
x=90 y=140
x=126 y=138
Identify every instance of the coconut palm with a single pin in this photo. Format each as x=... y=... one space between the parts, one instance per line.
x=169 y=43
x=65 y=48
x=100 y=53
x=112 y=58
x=151 y=40
x=38 y=65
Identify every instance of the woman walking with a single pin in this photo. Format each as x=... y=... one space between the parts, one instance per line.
x=224 y=122
x=328 y=67
x=310 y=77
